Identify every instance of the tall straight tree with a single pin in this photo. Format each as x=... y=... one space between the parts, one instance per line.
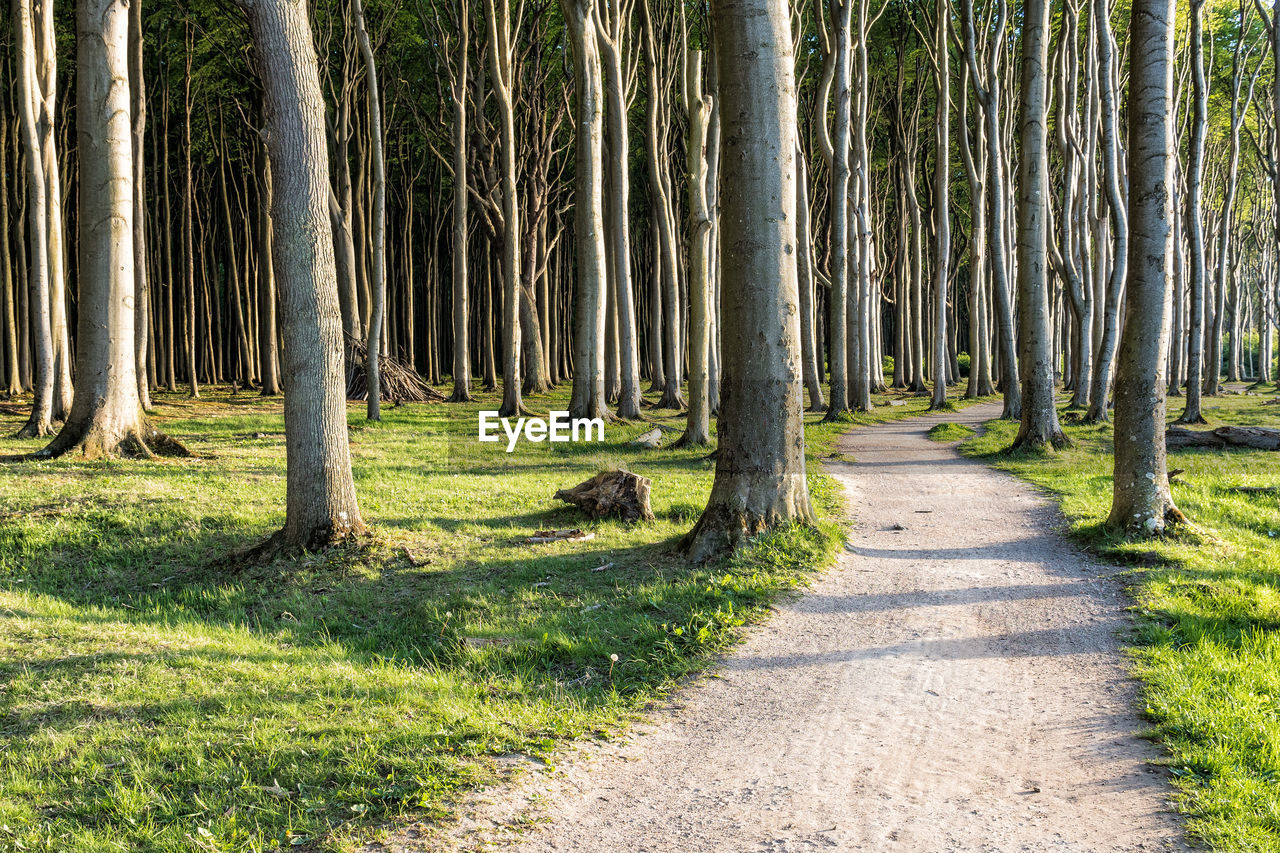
x=106 y=414
x=1039 y=413
x=1191 y=413
x=1141 y=501
x=612 y=25
x=588 y=396
x=502 y=58
x=760 y=467
x=30 y=110
x=698 y=106
x=942 y=205
x=378 y=237
x=837 y=310
x=320 y=493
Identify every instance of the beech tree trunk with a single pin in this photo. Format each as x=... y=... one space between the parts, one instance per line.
x=378 y=248
x=942 y=205
x=1039 y=412
x=1141 y=500
x=1191 y=414
x=760 y=468
x=698 y=105
x=320 y=492
x=106 y=414
x=587 y=399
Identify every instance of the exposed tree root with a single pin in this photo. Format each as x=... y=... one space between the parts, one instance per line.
x=279 y=546
x=92 y=441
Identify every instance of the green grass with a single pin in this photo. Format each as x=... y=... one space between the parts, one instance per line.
x=949 y=431
x=1206 y=644
x=154 y=698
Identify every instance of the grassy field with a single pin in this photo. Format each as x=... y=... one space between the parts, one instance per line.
x=1206 y=646
x=154 y=697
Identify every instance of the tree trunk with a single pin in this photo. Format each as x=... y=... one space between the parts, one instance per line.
x=320 y=493
x=838 y=306
x=760 y=468
x=1191 y=414
x=942 y=205
x=588 y=396
x=1141 y=501
x=268 y=351
x=106 y=414
x=38 y=276
x=461 y=312
x=698 y=106
x=379 y=247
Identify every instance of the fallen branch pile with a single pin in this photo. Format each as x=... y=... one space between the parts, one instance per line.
x=400 y=384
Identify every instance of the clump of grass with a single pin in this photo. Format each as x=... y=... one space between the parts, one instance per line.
x=157 y=699
x=949 y=431
x=1206 y=643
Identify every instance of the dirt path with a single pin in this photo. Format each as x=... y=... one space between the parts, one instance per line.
x=953 y=685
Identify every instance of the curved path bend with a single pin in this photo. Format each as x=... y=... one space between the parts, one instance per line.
x=953 y=684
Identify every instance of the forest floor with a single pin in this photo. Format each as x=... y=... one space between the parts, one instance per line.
x=157 y=696
x=954 y=683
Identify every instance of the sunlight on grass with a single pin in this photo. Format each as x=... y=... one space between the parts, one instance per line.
x=1205 y=644
x=158 y=699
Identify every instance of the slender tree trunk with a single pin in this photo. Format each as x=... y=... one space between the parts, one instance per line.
x=760 y=469
x=942 y=205
x=373 y=376
x=461 y=309
x=698 y=105
x=38 y=274
x=106 y=415
x=611 y=28
x=838 y=306
x=1191 y=414
x=588 y=395
x=1039 y=412
x=1141 y=501
x=268 y=352
x=320 y=493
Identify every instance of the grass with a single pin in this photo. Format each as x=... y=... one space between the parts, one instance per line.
x=152 y=698
x=1206 y=644
x=949 y=431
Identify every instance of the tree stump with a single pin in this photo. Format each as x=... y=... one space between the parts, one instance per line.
x=651 y=439
x=611 y=493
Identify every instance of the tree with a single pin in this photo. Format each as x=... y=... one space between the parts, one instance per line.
x=379 y=236
x=1141 y=501
x=321 y=503
x=698 y=106
x=942 y=205
x=760 y=467
x=1191 y=414
x=106 y=413
x=1039 y=425
x=588 y=397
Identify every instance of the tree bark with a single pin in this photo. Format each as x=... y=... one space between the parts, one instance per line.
x=320 y=492
x=379 y=244
x=106 y=414
x=1141 y=500
x=760 y=468
x=1039 y=425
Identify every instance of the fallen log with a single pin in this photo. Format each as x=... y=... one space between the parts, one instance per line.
x=1254 y=438
x=611 y=493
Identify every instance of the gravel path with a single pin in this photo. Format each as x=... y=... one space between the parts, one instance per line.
x=952 y=684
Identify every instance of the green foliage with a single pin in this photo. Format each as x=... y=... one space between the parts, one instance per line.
x=1206 y=644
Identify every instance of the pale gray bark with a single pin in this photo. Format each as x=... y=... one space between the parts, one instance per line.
x=1039 y=425
x=838 y=216
x=942 y=204
x=1141 y=501
x=379 y=226
x=1191 y=413
x=38 y=273
x=760 y=468
x=698 y=112
x=320 y=492
x=588 y=395
x=106 y=414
